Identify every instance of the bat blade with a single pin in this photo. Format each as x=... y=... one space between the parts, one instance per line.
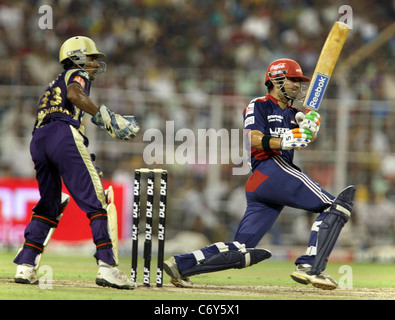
x=326 y=63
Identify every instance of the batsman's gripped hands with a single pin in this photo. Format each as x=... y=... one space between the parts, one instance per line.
x=117 y=126
x=310 y=121
x=295 y=139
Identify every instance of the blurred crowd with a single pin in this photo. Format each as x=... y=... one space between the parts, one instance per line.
x=208 y=36
x=167 y=59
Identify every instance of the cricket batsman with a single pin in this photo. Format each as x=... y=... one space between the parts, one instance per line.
x=59 y=150
x=275 y=129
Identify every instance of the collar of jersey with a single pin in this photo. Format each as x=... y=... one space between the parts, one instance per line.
x=272 y=98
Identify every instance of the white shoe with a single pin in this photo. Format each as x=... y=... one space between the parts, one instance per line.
x=26 y=274
x=171 y=268
x=109 y=276
x=302 y=274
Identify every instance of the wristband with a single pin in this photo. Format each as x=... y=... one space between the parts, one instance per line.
x=266 y=142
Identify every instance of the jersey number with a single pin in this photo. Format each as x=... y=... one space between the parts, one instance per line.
x=54 y=95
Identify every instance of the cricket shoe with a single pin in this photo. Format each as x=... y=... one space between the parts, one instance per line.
x=302 y=274
x=171 y=268
x=26 y=274
x=110 y=276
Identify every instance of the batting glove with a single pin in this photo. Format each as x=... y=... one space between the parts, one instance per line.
x=310 y=121
x=117 y=126
x=295 y=138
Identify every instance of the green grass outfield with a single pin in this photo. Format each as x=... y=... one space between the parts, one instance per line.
x=74 y=276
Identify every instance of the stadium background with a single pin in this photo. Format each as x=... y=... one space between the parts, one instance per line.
x=198 y=63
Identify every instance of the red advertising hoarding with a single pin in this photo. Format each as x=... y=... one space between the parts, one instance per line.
x=18 y=196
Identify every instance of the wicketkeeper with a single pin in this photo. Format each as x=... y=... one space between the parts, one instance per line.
x=59 y=150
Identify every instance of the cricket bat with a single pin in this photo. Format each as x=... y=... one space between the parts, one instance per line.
x=326 y=63
x=112 y=220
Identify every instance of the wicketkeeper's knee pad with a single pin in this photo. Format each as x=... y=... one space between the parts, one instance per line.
x=226 y=259
x=330 y=228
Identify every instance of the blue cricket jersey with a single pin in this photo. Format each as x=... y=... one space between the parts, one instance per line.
x=264 y=114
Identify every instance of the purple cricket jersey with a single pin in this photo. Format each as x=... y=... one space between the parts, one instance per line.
x=59 y=150
x=53 y=103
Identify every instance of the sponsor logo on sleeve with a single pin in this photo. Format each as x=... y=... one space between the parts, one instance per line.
x=248 y=121
x=79 y=80
x=250 y=109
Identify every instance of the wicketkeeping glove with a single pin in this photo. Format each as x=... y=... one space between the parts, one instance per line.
x=310 y=121
x=295 y=138
x=117 y=126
